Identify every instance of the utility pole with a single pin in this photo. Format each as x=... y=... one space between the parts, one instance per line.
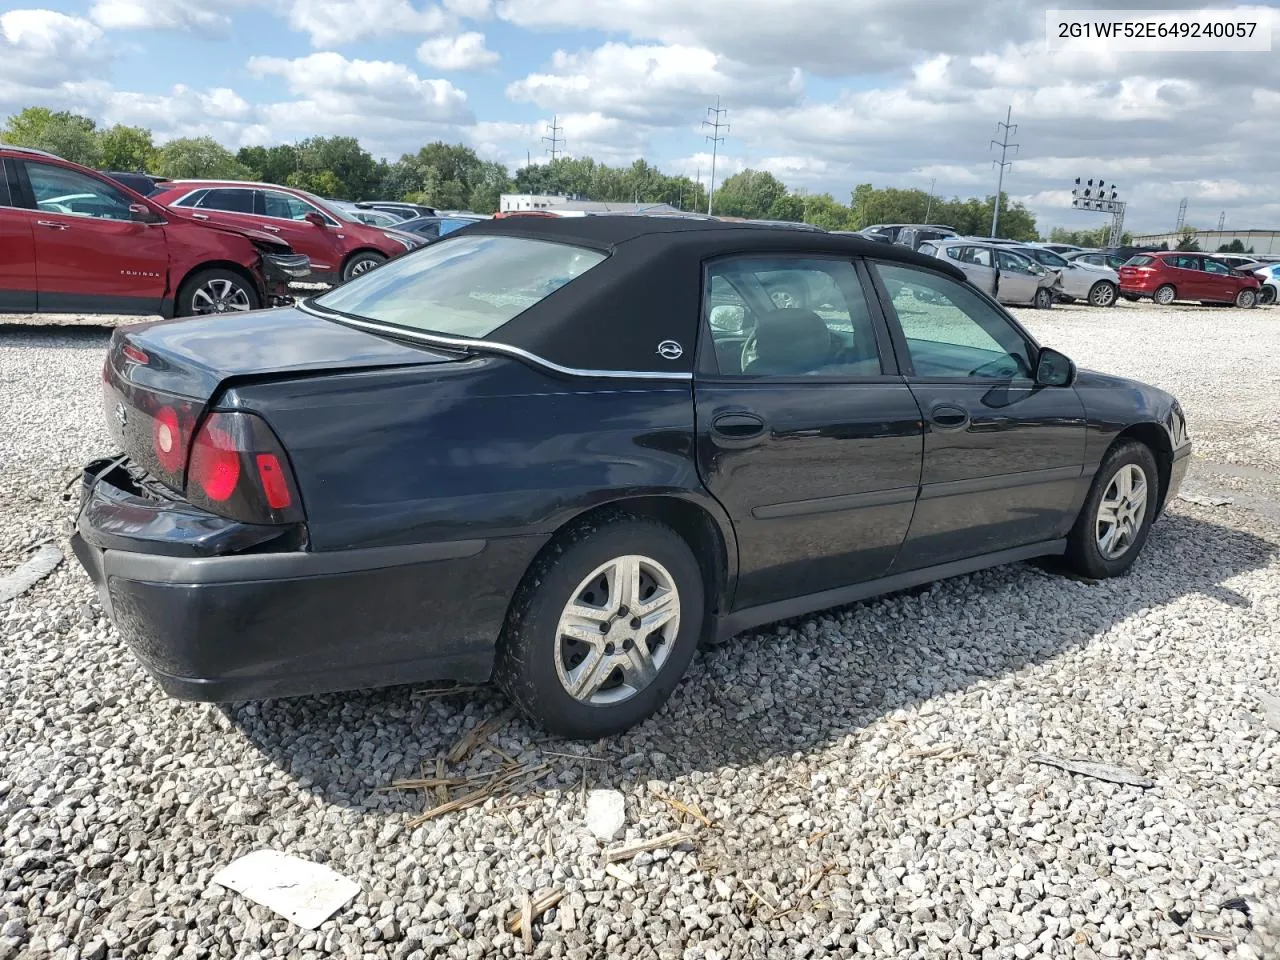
x=1008 y=129
x=555 y=141
x=716 y=139
x=1182 y=216
x=929 y=206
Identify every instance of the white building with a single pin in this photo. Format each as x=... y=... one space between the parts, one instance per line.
x=1259 y=241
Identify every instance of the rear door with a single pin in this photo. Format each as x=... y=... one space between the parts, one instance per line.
x=1189 y=280
x=978 y=265
x=90 y=253
x=286 y=216
x=17 y=240
x=1003 y=458
x=805 y=433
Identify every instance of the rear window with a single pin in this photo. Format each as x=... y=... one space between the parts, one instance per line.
x=465 y=286
x=1140 y=261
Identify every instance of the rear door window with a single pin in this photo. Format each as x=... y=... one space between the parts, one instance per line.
x=228 y=200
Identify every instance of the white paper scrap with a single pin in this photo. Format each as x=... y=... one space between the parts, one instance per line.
x=305 y=892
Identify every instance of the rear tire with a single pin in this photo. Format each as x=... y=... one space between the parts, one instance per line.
x=1103 y=294
x=1043 y=299
x=1247 y=299
x=362 y=262
x=575 y=654
x=215 y=291
x=1165 y=295
x=1119 y=507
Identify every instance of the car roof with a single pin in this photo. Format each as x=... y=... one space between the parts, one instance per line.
x=648 y=287
x=32 y=151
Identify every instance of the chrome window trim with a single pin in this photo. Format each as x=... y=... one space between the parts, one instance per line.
x=327 y=219
x=489 y=346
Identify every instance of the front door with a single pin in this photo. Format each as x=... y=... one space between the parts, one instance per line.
x=1220 y=280
x=1019 y=280
x=1190 y=282
x=90 y=253
x=806 y=436
x=286 y=216
x=1003 y=458
x=978 y=264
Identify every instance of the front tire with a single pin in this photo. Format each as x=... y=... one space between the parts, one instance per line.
x=1103 y=294
x=1165 y=295
x=215 y=291
x=1267 y=296
x=603 y=627
x=1117 y=515
x=362 y=262
x=1043 y=299
x=1246 y=299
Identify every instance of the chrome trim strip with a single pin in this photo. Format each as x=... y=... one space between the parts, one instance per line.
x=329 y=221
x=489 y=346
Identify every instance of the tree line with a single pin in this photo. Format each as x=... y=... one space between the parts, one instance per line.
x=453 y=177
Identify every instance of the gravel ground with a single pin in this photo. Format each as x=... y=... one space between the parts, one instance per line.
x=867 y=774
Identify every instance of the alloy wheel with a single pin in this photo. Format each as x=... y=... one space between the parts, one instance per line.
x=1044 y=298
x=1121 y=511
x=1164 y=296
x=1102 y=295
x=219 y=295
x=1246 y=299
x=363 y=266
x=617 y=630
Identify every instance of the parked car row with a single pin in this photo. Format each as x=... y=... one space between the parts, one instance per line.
x=76 y=240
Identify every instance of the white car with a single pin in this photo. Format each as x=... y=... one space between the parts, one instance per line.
x=1007 y=275
x=1268 y=275
x=1097 y=285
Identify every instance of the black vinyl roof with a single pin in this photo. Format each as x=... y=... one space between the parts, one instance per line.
x=649 y=290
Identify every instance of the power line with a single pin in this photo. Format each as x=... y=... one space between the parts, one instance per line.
x=1004 y=145
x=716 y=139
x=555 y=140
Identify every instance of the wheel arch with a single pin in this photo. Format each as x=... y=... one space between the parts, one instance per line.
x=237 y=268
x=703 y=525
x=342 y=267
x=1155 y=438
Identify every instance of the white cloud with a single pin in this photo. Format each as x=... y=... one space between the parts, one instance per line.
x=470 y=9
x=189 y=15
x=656 y=84
x=42 y=49
x=465 y=51
x=332 y=23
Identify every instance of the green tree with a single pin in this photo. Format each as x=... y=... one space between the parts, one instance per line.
x=353 y=168
x=750 y=194
x=127 y=148
x=68 y=135
x=1235 y=246
x=189 y=158
x=323 y=183
x=823 y=210
x=269 y=164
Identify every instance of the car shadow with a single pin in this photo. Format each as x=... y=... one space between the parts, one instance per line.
x=347 y=748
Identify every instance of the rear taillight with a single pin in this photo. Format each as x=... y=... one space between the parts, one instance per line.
x=239 y=470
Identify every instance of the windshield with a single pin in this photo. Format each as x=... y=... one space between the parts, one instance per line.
x=332 y=209
x=467 y=286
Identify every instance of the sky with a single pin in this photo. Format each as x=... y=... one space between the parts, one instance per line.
x=826 y=94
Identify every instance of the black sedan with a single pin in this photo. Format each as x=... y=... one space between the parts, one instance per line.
x=559 y=452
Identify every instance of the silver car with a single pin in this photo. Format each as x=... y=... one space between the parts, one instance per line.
x=1097 y=285
x=1007 y=275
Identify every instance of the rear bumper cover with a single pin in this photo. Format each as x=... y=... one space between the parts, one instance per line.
x=277 y=624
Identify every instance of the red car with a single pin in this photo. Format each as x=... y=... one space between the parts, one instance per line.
x=74 y=240
x=1166 y=277
x=339 y=245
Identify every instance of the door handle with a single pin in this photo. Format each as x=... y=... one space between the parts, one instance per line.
x=737 y=429
x=949 y=416
x=271 y=229
x=199 y=216
x=51 y=224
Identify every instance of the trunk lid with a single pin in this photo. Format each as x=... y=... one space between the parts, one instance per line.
x=159 y=377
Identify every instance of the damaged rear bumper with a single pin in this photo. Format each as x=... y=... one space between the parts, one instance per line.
x=274 y=619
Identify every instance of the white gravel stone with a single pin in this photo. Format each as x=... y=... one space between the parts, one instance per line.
x=606 y=813
x=814 y=745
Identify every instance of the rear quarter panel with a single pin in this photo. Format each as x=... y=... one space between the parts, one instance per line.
x=485 y=447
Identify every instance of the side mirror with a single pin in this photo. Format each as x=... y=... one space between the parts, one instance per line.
x=315 y=220
x=1054 y=369
x=141 y=213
